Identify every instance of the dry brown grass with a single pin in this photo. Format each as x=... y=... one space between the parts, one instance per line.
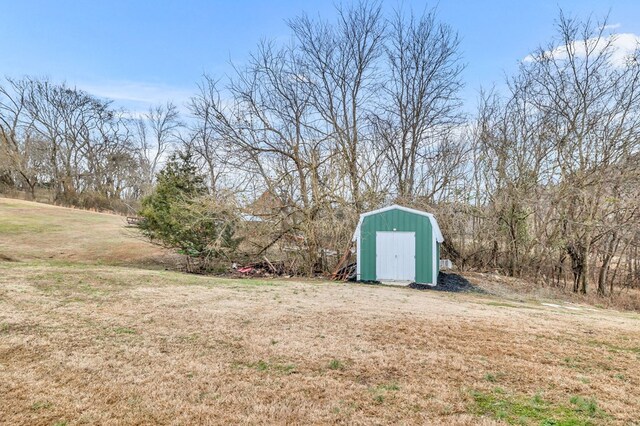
x=103 y=344
x=33 y=231
x=516 y=288
x=115 y=345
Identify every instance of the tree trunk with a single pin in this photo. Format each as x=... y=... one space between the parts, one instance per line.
x=584 y=282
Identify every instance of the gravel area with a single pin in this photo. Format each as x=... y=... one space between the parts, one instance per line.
x=450 y=282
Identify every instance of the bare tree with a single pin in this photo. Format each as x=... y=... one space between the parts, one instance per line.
x=594 y=104
x=555 y=157
x=270 y=129
x=415 y=120
x=18 y=145
x=66 y=140
x=341 y=62
x=205 y=142
x=158 y=132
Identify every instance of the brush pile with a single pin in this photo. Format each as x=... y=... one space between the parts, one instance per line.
x=346 y=273
x=265 y=268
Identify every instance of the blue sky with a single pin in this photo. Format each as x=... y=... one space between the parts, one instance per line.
x=140 y=52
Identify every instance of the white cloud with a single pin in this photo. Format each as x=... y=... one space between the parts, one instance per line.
x=135 y=115
x=612 y=26
x=623 y=47
x=137 y=96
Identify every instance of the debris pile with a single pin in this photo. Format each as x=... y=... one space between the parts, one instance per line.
x=264 y=268
x=346 y=273
x=134 y=220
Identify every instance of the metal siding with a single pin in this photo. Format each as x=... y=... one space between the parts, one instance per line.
x=401 y=221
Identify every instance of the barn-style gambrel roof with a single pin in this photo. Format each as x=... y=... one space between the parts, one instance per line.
x=434 y=223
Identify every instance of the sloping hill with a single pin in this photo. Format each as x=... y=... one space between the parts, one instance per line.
x=34 y=231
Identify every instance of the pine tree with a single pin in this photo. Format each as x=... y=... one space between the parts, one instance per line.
x=179 y=214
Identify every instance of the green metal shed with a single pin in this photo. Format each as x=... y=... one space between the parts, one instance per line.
x=397 y=243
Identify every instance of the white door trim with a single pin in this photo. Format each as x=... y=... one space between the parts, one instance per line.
x=436 y=260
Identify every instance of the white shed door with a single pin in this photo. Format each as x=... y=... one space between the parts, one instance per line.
x=396 y=256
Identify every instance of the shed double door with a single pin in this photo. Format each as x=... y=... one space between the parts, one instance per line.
x=396 y=256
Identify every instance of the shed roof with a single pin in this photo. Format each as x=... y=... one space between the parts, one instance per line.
x=434 y=223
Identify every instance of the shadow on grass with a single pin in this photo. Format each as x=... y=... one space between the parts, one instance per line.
x=5 y=258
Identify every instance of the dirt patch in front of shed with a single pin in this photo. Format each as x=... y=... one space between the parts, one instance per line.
x=452 y=283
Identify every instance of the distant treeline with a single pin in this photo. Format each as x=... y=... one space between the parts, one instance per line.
x=542 y=182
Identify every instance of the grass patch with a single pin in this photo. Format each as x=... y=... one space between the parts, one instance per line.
x=378 y=399
x=615 y=348
x=523 y=410
x=380 y=392
x=335 y=364
x=490 y=377
x=261 y=366
x=41 y=405
x=286 y=368
x=571 y=362
x=620 y=376
x=389 y=387
x=124 y=330
x=587 y=406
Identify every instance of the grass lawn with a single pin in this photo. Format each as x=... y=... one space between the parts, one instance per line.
x=92 y=331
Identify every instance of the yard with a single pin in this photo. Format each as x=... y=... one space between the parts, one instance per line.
x=93 y=330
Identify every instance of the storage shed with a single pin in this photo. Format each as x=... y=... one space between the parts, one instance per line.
x=397 y=243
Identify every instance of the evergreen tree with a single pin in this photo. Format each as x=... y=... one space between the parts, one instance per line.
x=179 y=214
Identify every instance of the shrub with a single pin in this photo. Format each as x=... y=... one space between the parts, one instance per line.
x=180 y=214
